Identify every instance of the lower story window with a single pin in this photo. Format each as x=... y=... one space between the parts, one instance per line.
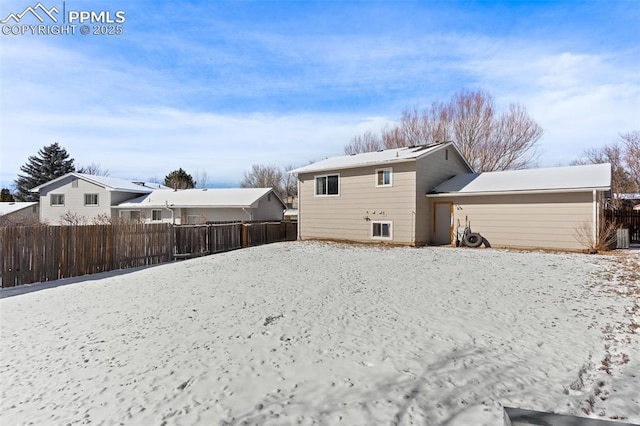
x=156 y=214
x=381 y=230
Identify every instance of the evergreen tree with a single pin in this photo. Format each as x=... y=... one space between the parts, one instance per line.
x=5 y=195
x=51 y=162
x=179 y=179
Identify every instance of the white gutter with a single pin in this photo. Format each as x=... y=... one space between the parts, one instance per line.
x=595 y=217
x=299 y=199
x=526 y=192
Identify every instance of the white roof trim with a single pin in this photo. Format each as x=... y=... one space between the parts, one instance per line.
x=382 y=158
x=524 y=192
x=10 y=207
x=209 y=198
x=108 y=183
x=562 y=179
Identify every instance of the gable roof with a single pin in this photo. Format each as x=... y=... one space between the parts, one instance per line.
x=384 y=157
x=203 y=198
x=109 y=183
x=552 y=179
x=12 y=207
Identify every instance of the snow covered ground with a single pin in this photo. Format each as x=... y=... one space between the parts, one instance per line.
x=319 y=333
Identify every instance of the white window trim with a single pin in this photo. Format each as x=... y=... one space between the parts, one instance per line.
x=315 y=186
x=388 y=222
x=56 y=205
x=388 y=185
x=92 y=205
x=156 y=210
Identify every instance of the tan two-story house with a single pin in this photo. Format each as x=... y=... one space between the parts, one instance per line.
x=375 y=196
x=419 y=195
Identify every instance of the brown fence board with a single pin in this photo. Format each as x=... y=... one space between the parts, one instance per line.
x=31 y=254
x=626 y=219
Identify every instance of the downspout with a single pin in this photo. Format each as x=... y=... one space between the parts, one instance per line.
x=249 y=213
x=595 y=217
x=173 y=222
x=298 y=222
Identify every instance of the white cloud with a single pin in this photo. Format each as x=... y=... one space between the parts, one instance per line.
x=146 y=143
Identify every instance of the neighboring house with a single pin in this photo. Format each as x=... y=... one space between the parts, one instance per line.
x=291 y=214
x=416 y=195
x=523 y=208
x=195 y=206
x=375 y=196
x=86 y=198
x=19 y=213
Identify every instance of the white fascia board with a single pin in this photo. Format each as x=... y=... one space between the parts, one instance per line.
x=525 y=192
x=357 y=166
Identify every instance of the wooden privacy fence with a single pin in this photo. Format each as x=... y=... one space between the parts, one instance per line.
x=626 y=219
x=31 y=254
x=257 y=234
x=200 y=240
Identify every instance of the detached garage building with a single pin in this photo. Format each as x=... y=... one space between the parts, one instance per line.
x=523 y=208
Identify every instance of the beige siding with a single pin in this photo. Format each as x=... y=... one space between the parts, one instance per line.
x=431 y=171
x=73 y=201
x=527 y=221
x=349 y=215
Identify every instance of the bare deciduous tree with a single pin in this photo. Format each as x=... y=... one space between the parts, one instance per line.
x=261 y=176
x=270 y=176
x=488 y=140
x=70 y=218
x=289 y=183
x=367 y=142
x=624 y=160
x=94 y=169
x=631 y=141
x=200 y=177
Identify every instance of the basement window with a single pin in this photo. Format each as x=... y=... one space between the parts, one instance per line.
x=381 y=230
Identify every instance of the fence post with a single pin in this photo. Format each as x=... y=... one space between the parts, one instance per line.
x=244 y=240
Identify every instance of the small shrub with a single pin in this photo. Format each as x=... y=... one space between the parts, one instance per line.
x=604 y=240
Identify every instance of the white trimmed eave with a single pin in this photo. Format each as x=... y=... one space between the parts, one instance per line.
x=355 y=166
x=178 y=206
x=522 y=192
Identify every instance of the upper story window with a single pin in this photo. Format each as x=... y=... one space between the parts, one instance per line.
x=384 y=177
x=57 y=199
x=327 y=185
x=90 y=199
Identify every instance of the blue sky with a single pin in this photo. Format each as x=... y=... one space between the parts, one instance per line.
x=215 y=87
